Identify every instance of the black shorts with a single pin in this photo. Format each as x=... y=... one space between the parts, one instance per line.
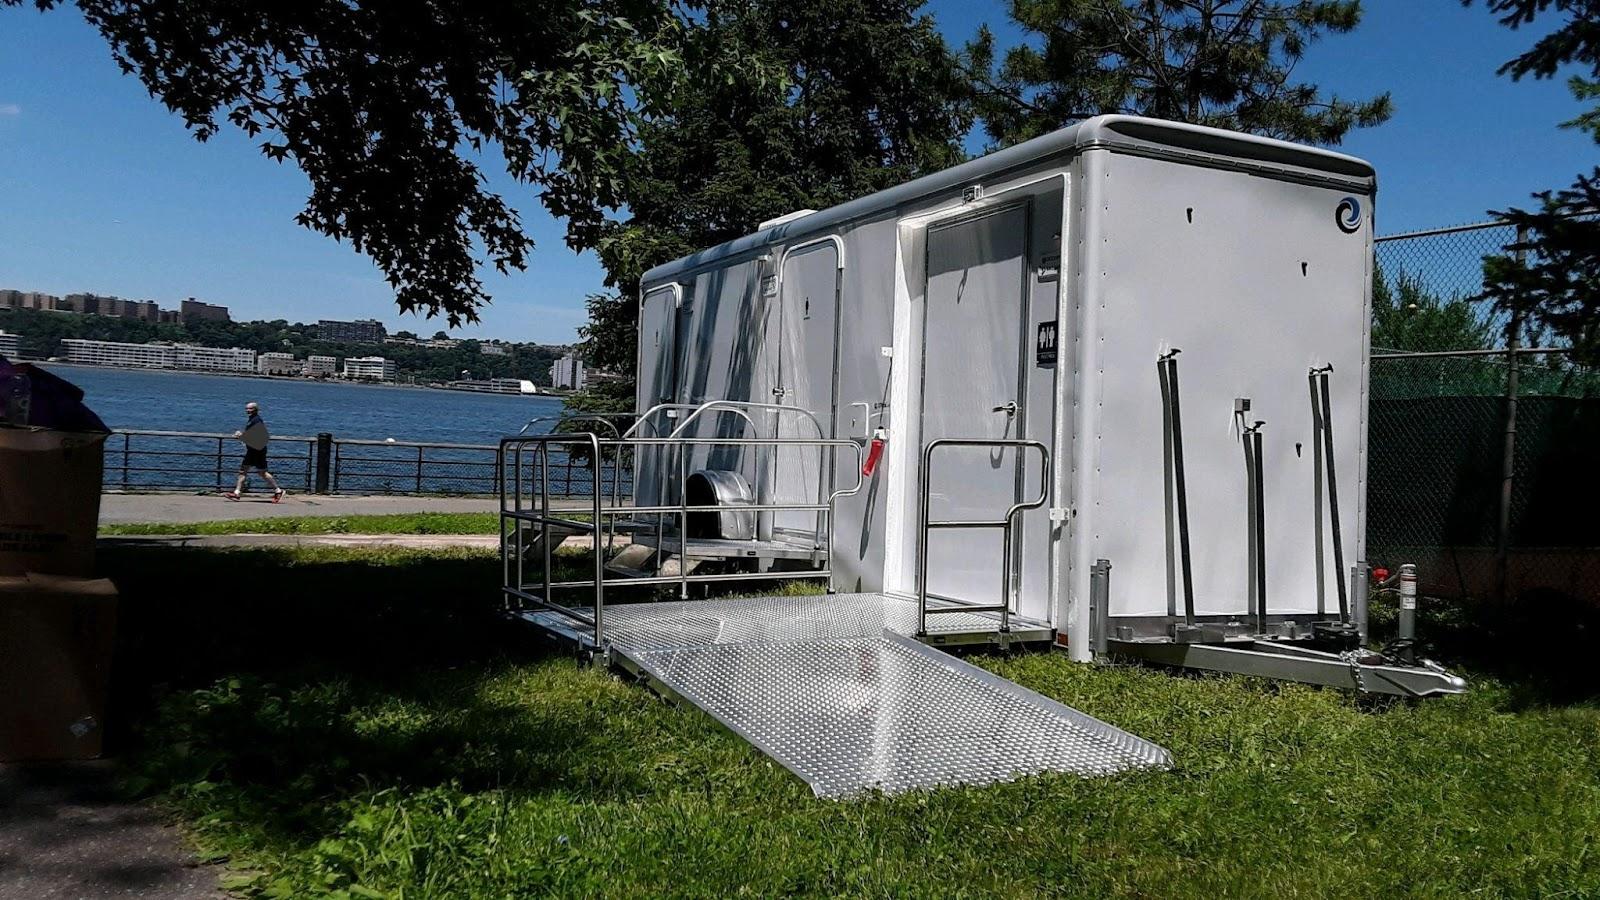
x=254 y=459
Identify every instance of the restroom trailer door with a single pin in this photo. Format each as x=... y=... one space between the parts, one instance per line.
x=971 y=368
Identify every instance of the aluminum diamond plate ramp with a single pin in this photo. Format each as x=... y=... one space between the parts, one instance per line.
x=884 y=712
x=783 y=618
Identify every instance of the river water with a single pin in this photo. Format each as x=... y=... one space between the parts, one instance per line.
x=188 y=401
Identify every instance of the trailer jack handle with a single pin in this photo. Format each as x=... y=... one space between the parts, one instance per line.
x=1322 y=432
x=1175 y=484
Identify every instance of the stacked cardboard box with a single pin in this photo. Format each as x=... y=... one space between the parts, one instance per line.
x=57 y=621
x=56 y=639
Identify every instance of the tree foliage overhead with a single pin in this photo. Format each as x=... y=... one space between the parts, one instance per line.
x=387 y=104
x=1551 y=278
x=1224 y=63
x=864 y=94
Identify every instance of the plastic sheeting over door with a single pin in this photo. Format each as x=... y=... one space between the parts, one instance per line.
x=806 y=353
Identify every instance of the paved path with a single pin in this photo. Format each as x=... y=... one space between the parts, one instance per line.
x=66 y=833
x=142 y=508
x=411 y=541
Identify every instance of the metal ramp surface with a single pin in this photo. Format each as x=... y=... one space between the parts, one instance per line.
x=835 y=689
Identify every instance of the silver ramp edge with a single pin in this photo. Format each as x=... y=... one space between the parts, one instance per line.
x=885 y=712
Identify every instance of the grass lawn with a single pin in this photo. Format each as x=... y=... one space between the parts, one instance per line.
x=348 y=723
x=400 y=523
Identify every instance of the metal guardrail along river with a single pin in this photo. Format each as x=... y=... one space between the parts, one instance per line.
x=196 y=461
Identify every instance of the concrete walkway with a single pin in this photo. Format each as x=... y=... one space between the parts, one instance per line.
x=408 y=541
x=66 y=833
x=121 y=509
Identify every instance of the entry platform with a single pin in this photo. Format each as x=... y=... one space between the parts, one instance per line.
x=837 y=689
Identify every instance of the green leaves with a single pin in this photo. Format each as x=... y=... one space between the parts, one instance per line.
x=768 y=107
x=376 y=102
x=1550 y=278
x=1223 y=63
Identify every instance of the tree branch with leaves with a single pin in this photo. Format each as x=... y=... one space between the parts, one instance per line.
x=1223 y=63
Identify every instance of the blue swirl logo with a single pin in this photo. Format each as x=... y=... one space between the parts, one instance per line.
x=1348 y=215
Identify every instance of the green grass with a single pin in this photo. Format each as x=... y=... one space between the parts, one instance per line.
x=402 y=523
x=347 y=723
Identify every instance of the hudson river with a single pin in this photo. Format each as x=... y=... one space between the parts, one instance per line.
x=187 y=401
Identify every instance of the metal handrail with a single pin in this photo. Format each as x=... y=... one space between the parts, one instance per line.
x=147 y=459
x=604 y=518
x=1005 y=524
x=647 y=417
x=543 y=442
x=603 y=418
x=736 y=405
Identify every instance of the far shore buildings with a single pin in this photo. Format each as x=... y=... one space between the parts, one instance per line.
x=321 y=366
x=192 y=310
x=369 y=368
x=102 y=305
x=567 y=372
x=276 y=363
x=361 y=331
x=158 y=356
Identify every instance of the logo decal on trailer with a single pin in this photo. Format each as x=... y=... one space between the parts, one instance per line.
x=1348 y=215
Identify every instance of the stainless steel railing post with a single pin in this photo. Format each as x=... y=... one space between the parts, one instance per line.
x=544 y=516
x=683 y=523
x=599 y=552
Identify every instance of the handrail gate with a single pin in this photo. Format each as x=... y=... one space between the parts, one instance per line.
x=1004 y=523
x=524 y=466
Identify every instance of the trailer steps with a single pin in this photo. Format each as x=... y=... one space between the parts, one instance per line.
x=835 y=689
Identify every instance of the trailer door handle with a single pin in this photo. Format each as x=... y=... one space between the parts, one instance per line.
x=1009 y=409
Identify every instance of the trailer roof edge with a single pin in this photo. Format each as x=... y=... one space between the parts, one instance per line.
x=1126 y=133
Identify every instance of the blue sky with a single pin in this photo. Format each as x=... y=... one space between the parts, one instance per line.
x=102 y=190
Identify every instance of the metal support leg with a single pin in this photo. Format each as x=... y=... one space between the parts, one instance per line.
x=1319 y=379
x=1178 y=486
x=1100 y=607
x=1261 y=530
x=1408 y=613
x=1358 y=591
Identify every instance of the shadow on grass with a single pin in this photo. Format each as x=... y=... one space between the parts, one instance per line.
x=188 y=616
x=1541 y=644
x=303 y=675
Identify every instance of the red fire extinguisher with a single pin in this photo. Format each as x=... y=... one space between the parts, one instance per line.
x=874 y=453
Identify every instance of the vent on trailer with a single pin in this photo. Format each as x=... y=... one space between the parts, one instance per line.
x=784 y=219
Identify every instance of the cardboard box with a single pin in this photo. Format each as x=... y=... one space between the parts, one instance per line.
x=49 y=500
x=57 y=636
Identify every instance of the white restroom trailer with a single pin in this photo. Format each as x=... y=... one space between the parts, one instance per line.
x=1029 y=295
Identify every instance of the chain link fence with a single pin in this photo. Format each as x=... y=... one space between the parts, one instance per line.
x=1480 y=462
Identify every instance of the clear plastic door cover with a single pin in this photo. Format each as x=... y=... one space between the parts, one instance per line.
x=807 y=315
x=657 y=363
x=971 y=365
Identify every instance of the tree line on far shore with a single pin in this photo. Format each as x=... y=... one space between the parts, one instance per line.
x=41 y=333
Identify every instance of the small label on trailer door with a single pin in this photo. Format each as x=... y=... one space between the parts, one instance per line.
x=1044 y=347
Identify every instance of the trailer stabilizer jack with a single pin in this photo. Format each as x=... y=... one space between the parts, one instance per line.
x=1363 y=671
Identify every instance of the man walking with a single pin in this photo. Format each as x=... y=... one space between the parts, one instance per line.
x=255 y=437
